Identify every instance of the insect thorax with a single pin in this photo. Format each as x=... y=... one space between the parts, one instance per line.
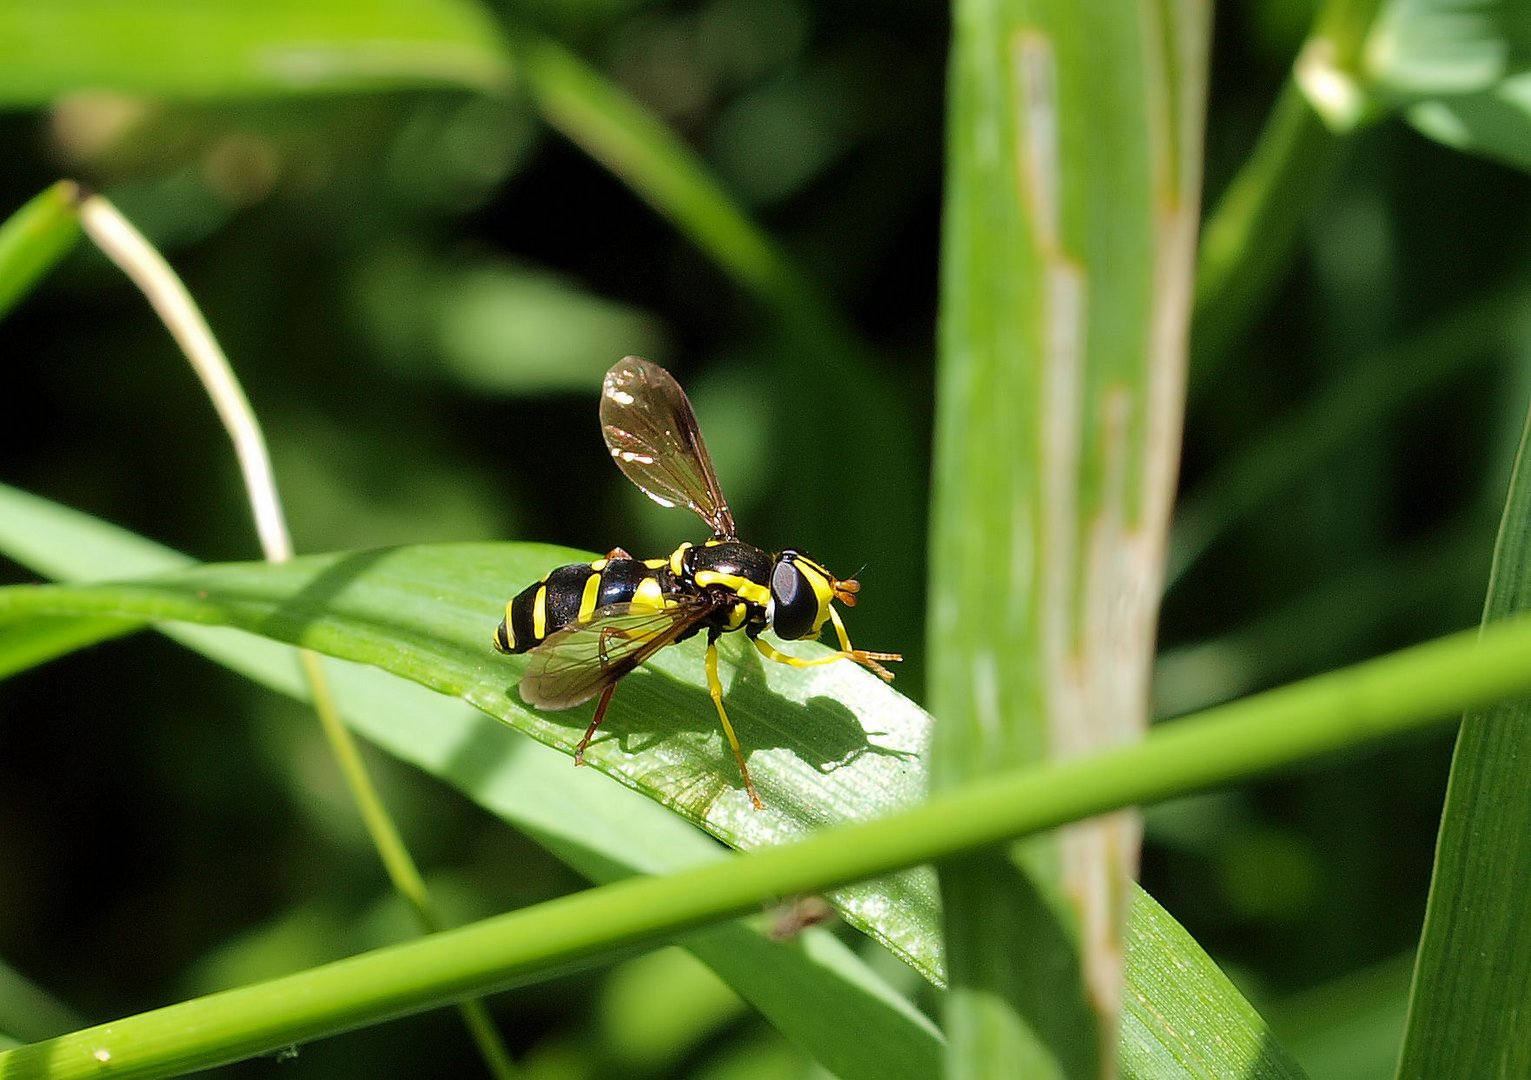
x=731 y=567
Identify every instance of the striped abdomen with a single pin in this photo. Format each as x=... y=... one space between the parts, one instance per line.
x=575 y=592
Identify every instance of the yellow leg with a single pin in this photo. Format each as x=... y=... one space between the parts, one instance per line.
x=845 y=639
x=796 y=661
x=715 y=688
x=866 y=659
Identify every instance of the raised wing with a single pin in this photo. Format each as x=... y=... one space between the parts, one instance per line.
x=653 y=436
x=582 y=659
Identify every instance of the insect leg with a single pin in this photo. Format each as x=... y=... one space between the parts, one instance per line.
x=600 y=714
x=780 y=657
x=715 y=688
x=866 y=659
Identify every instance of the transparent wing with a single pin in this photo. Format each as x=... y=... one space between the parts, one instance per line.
x=654 y=439
x=584 y=658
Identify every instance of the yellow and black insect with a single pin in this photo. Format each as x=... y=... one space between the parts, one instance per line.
x=587 y=625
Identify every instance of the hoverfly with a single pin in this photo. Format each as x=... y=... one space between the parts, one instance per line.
x=586 y=625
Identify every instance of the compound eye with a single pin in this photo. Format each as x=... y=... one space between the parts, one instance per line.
x=795 y=605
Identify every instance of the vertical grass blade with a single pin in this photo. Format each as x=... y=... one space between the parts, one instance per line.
x=1073 y=184
x=1467 y=1011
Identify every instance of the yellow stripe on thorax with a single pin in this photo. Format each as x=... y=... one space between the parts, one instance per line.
x=747 y=589
x=588 y=598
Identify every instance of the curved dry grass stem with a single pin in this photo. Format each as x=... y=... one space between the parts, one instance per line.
x=147 y=268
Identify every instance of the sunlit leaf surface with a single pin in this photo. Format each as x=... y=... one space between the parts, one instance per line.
x=1175 y=993
x=825 y=745
x=812 y=988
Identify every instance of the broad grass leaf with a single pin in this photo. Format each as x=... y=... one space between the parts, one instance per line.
x=814 y=989
x=1181 y=1016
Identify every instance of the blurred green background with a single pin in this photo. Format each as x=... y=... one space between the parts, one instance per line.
x=421 y=289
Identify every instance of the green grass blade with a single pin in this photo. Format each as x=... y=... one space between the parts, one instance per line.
x=34 y=239
x=1467 y=1008
x=1181 y=1017
x=1386 y=696
x=164 y=48
x=826 y=745
x=813 y=991
x=1073 y=190
x=435 y=629
x=606 y=833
